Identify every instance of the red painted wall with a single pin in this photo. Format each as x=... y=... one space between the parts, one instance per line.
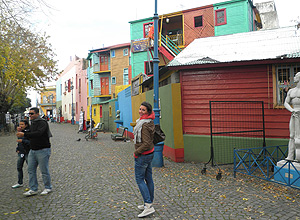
x=245 y=83
x=207 y=30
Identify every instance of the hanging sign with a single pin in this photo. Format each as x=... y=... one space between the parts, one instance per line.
x=139 y=45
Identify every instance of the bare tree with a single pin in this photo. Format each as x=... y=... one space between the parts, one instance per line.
x=20 y=10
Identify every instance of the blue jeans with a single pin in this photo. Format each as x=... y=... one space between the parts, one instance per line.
x=21 y=159
x=39 y=158
x=143 y=176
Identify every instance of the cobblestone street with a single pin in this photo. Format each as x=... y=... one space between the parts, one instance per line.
x=95 y=180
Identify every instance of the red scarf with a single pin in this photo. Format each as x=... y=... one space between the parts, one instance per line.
x=146 y=116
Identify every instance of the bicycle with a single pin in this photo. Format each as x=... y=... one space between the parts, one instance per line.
x=92 y=134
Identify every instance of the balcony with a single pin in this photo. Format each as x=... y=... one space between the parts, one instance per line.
x=176 y=38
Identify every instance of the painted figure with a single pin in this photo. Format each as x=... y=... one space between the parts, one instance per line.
x=292 y=103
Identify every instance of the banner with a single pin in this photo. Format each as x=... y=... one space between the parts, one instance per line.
x=139 y=45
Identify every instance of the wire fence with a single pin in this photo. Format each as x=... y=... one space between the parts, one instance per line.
x=235 y=125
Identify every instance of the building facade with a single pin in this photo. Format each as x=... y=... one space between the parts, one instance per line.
x=108 y=69
x=48 y=102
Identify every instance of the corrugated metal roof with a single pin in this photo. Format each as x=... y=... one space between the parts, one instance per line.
x=255 y=45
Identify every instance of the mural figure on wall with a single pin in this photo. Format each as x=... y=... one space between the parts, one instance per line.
x=292 y=104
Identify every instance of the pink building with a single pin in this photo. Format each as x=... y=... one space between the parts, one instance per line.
x=81 y=89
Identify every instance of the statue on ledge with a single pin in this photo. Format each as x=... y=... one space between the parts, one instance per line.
x=292 y=104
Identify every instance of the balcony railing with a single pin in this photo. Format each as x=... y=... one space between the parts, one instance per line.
x=176 y=38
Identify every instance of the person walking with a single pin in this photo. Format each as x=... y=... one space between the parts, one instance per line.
x=22 y=150
x=144 y=152
x=39 y=153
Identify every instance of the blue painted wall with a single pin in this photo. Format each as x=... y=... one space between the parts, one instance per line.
x=58 y=90
x=124 y=105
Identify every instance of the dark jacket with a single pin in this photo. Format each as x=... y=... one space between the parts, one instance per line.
x=38 y=134
x=146 y=145
x=24 y=146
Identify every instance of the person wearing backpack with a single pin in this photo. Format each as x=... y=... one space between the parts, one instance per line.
x=144 y=152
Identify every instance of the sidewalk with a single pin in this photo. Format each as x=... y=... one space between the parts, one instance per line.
x=95 y=180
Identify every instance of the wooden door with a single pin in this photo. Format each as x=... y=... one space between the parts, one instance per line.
x=104 y=86
x=103 y=63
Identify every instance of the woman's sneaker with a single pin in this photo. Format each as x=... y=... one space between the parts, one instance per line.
x=17 y=186
x=141 y=207
x=147 y=211
x=30 y=193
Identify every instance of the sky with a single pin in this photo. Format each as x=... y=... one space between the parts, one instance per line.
x=75 y=27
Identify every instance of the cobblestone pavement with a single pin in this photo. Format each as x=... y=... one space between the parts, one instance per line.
x=95 y=180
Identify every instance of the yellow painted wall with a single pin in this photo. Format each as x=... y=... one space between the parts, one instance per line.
x=135 y=105
x=177 y=116
x=120 y=88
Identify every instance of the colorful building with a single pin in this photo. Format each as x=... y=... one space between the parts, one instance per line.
x=71 y=87
x=178 y=29
x=252 y=70
x=108 y=69
x=48 y=102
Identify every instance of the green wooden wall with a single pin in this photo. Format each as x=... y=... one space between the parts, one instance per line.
x=239 y=17
x=138 y=59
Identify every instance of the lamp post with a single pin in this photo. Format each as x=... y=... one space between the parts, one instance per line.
x=72 y=87
x=72 y=112
x=51 y=96
x=158 y=148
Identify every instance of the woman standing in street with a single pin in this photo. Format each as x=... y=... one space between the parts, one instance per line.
x=144 y=152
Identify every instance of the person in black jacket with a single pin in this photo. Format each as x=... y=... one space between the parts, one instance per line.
x=39 y=153
x=22 y=150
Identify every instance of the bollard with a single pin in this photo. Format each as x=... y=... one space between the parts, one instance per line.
x=158 y=160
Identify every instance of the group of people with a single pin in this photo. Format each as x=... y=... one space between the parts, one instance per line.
x=34 y=148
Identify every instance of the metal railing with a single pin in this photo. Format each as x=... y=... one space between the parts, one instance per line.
x=262 y=163
x=170 y=45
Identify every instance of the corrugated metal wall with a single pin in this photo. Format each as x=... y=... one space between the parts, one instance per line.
x=248 y=83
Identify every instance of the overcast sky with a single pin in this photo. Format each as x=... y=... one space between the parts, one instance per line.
x=75 y=27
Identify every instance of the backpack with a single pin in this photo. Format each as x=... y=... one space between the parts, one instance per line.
x=159 y=135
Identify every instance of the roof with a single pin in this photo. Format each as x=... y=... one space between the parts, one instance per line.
x=110 y=48
x=256 y=45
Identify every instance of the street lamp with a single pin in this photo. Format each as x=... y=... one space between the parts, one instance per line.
x=158 y=148
x=51 y=97
x=72 y=121
x=71 y=87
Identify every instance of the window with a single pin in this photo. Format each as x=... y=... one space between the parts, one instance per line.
x=148 y=68
x=94 y=111
x=112 y=53
x=125 y=76
x=125 y=52
x=110 y=112
x=220 y=16
x=284 y=81
x=92 y=87
x=198 y=21
x=79 y=88
x=101 y=111
x=147 y=27
x=113 y=80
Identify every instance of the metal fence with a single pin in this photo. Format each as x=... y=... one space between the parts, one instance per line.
x=235 y=124
x=262 y=162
